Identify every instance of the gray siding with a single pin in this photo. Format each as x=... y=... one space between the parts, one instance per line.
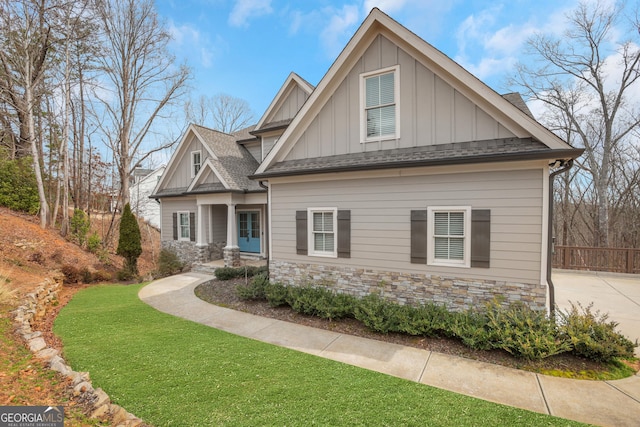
x=219 y=223
x=170 y=205
x=182 y=168
x=431 y=111
x=267 y=144
x=291 y=105
x=255 y=149
x=380 y=219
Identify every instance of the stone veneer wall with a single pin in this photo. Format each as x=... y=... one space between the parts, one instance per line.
x=190 y=252
x=406 y=288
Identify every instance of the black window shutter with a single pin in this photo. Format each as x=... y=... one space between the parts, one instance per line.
x=344 y=234
x=480 y=238
x=419 y=237
x=192 y=226
x=301 y=233
x=175 y=226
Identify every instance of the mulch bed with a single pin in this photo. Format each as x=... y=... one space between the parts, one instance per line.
x=224 y=293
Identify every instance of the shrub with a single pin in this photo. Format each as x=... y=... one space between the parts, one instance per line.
x=470 y=327
x=125 y=275
x=430 y=320
x=320 y=302
x=523 y=332
x=102 y=276
x=169 y=263
x=36 y=257
x=228 y=273
x=79 y=226
x=255 y=290
x=377 y=314
x=18 y=188
x=276 y=294
x=591 y=335
x=94 y=242
x=71 y=273
x=129 y=243
x=85 y=275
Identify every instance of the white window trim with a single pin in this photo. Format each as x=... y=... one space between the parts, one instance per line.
x=363 y=115
x=310 y=246
x=188 y=214
x=193 y=172
x=431 y=260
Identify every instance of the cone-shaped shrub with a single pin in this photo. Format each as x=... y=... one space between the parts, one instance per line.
x=129 y=243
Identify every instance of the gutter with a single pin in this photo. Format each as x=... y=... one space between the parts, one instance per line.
x=266 y=220
x=565 y=166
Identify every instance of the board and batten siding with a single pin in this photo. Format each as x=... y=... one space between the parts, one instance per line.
x=255 y=149
x=291 y=105
x=431 y=111
x=182 y=170
x=380 y=219
x=168 y=206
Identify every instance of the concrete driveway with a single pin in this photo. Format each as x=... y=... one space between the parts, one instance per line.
x=615 y=294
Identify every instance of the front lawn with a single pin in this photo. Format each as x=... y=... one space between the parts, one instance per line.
x=170 y=371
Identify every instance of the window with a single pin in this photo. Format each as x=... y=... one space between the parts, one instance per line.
x=379 y=95
x=184 y=226
x=322 y=231
x=196 y=162
x=448 y=231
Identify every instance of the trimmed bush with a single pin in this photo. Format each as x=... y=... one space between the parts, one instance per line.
x=429 y=320
x=378 y=314
x=255 y=290
x=169 y=263
x=320 y=302
x=276 y=294
x=228 y=273
x=591 y=335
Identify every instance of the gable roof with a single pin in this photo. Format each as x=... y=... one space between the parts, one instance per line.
x=230 y=162
x=517 y=121
x=292 y=81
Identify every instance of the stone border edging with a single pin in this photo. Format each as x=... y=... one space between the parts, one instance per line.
x=35 y=306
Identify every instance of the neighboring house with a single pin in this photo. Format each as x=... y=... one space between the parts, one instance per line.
x=210 y=209
x=142 y=185
x=402 y=174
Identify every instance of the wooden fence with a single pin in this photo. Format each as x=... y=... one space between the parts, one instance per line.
x=615 y=260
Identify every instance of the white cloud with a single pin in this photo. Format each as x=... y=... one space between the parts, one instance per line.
x=187 y=40
x=339 y=29
x=387 y=6
x=244 y=10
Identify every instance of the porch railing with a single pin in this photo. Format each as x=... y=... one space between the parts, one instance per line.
x=617 y=260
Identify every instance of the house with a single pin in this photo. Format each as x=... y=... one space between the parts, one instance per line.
x=143 y=183
x=400 y=174
x=210 y=209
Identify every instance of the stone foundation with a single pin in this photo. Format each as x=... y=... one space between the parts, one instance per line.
x=455 y=293
x=190 y=252
x=231 y=257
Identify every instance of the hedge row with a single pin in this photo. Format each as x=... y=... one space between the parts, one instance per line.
x=523 y=332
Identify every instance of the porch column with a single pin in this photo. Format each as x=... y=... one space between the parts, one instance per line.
x=231 y=251
x=203 y=221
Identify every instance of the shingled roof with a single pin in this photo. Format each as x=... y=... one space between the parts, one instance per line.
x=495 y=150
x=233 y=162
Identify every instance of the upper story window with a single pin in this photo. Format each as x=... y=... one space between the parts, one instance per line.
x=196 y=162
x=379 y=104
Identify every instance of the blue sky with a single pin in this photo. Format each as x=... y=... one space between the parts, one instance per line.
x=247 y=48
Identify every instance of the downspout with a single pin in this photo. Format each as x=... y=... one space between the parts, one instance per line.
x=266 y=221
x=565 y=166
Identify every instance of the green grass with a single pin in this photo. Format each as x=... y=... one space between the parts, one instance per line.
x=172 y=372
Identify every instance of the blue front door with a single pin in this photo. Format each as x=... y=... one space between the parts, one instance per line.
x=249 y=231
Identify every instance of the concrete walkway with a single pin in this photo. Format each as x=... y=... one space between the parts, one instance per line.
x=606 y=403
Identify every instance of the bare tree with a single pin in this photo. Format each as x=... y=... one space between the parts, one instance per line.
x=26 y=41
x=586 y=76
x=142 y=80
x=221 y=112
